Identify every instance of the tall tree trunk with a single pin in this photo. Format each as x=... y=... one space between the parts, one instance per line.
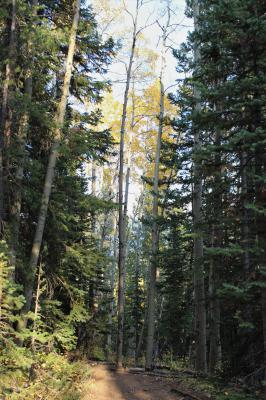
x=93 y=229
x=215 y=352
x=260 y=171
x=128 y=175
x=245 y=217
x=93 y=179
x=112 y=289
x=198 y=269
x=22 y=137
x=263 y=311
x=59 y=121
x=157 y=341
x=4 y=124
x=36 y=308
x=109 y=340
x=215 y=263
x=123 y=207
x=246 y=241
x=137 y=299
x=141 y=336
x=132 y=122
x=155 y=229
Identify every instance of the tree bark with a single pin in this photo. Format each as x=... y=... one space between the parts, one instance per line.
x=198 y=269
x=59 y=121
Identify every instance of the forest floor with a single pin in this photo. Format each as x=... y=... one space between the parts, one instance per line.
x=108 y=384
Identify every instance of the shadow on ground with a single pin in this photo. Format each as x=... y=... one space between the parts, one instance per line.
x=122 y=385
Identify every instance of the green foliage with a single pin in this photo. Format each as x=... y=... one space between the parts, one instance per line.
x=60 y=315
x=11 y=302
x=230 y=120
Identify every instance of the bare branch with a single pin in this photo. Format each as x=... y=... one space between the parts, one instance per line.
x=169 y=87
x=129 y=13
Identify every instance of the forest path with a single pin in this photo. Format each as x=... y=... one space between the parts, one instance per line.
x=108 y=384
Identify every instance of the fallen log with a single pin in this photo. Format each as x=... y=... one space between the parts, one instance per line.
x=190 y=395
x=161 y=374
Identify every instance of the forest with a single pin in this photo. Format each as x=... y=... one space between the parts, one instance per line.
x=132 y=199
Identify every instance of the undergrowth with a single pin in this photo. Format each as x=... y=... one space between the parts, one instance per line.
x=49 y=377
x=217 y=390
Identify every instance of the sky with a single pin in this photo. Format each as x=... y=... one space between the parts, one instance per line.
x=121 y=27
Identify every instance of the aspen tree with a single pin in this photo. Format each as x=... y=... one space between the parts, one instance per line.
x=121 y=200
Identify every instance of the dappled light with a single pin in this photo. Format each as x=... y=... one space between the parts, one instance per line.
x=109 y=384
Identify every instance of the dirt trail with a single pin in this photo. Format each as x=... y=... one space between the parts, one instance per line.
x=112 y=385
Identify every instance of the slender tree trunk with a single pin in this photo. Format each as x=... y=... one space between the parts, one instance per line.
x=4 y=124
x=112 y=289
x=129 y=155
x=36 y=308
x=59 y=121
x=93 y=229
x=137 y=299
x=123 y=209
x=155 y=229
x=199 y=289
